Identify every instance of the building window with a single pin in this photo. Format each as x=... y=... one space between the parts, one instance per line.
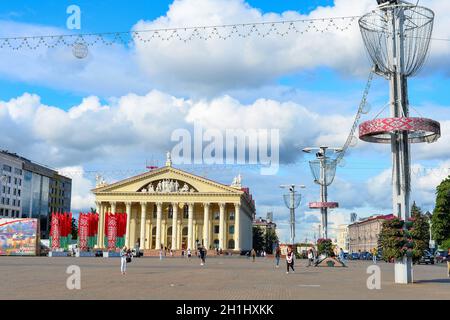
x=231 y=244
x=232 y=215
x=231 y=229
x=6 y=168
x=216 y=215
x=18 y=171
x=170 y=213
x=216 y=229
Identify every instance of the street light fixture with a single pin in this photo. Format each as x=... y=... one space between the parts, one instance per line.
x=323 y=169
x=292 y=201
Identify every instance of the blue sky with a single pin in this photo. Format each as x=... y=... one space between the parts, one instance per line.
x=46 y=94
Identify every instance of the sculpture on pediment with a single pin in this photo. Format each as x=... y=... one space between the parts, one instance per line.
x=99 y=181
x=185 y=188
x=167 y=186
x=237 y=181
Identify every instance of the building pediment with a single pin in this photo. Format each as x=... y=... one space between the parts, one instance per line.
x=166 y=180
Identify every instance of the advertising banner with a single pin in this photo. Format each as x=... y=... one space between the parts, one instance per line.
x=19 y=237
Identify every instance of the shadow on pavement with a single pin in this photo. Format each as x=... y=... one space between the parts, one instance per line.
x=433 y=281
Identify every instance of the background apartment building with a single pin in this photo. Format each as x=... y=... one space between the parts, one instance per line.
x=364 y=234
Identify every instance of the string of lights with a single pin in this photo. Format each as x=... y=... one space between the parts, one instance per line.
x=244 y=30
x=417 y=171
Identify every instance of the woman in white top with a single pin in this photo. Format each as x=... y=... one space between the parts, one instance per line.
x=123 y=260
x=290 y=260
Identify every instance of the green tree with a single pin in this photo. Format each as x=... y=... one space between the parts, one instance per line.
x=258 y=239
x=392 y=239
x=74 y=229
x=419 y=232
x=271 y=239
x=325 y=246
x=440 y=221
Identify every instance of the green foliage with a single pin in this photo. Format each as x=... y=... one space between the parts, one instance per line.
x=445 y=245
x=325 y=246
x=270 y=239
x=419 y=232
x=411 y=238
x=440 y=221
x=258 y=238
x=392 y=239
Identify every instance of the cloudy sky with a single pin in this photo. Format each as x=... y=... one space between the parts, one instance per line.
x=114 y=112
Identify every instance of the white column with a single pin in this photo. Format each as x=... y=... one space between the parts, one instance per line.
x=174 y=225
x=221 y=225
x=206 y=225
x=194 y=234
x=127 y=235
x=237 y=226
x=113 y=207
x=178 y=247
x=190 y=225
x=158 y=225
x=143 y=209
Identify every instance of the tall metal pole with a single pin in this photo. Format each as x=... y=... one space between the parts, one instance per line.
x=400 y=145
x=292 y=211
x=323 y=193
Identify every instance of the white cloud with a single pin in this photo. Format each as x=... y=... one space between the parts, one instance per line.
x=215 y=65
x=132 y=122
x=82 y=198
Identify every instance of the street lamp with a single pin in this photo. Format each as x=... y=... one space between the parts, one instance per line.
x=292 y=201
x=323 y=169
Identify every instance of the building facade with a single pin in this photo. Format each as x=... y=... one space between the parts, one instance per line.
x=30 y=190
x=264 y=224
x=168 y=207
x=364 y=234
x=342 y=239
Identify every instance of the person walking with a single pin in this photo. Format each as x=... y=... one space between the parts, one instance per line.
x=289 y=260
x=277 y=256
x=203 y=255
x=161 y=253
x=123 y=260
x=374 y=255
x=253 y=254
x=310 y=257
x=341 y=256
x=189 y=254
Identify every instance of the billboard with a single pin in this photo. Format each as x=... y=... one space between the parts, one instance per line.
x=19 y=237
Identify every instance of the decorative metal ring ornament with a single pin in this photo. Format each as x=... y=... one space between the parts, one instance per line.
x=318 y=205
x=419 y=129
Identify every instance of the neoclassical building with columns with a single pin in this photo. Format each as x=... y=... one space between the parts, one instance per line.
x=175 y=209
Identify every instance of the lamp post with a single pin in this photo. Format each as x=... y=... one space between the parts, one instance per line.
x=292 y=201
x=397 y=36
x=323 y=170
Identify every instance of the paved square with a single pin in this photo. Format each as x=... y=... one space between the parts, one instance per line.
x=221 y=278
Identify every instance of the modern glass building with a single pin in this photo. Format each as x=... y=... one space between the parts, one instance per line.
x=35 y=190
